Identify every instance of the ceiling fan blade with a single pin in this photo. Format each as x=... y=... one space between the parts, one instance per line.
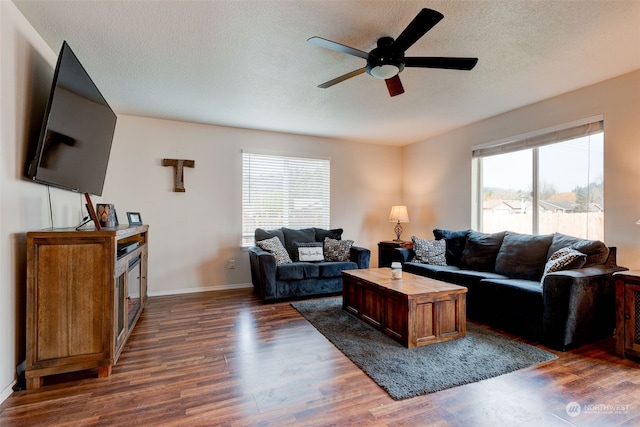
x=394 y=85
x=342 y=78
x=441 y=62
x=425 y=20
x=328 y=44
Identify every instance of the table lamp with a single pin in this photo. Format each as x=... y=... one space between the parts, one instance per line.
x=398 y=214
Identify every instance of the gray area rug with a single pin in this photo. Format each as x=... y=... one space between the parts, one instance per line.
x=404 y=372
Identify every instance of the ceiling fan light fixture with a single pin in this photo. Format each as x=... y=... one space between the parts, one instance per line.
x=385 y=71
x=387 y=60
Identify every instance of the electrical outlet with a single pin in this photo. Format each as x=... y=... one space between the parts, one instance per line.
x=232 y=264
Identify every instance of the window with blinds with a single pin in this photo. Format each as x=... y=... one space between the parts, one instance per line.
x=545 y=182
x=283 y=191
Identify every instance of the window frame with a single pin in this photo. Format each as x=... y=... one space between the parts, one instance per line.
x=531 y=140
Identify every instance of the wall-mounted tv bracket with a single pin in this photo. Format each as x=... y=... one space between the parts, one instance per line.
x=92 y=211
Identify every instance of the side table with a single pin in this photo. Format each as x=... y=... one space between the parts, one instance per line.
x=386 y=251
x=627 y=313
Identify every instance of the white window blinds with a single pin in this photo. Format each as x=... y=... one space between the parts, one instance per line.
x=283 y=191
x=538 y=140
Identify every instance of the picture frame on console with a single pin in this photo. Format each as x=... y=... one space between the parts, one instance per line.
x=134 y=218
x=107 y=215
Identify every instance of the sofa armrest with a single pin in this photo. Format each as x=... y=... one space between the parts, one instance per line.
x=263 y=273
x=361 y=256
x=578 y=305
x=402 y=254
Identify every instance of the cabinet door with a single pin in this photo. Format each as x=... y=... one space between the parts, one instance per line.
x=144 y=262
x=350 y=295
x=396 y=318
x=120 y=315
x=371 y=308
x=632 y=317
x=67 y=301
x=134 y=288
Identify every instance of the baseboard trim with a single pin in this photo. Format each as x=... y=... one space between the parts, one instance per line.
x=202 y=289
x=7 y=391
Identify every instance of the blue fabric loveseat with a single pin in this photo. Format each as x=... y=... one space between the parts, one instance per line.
x=512 y=285
x=275 y=279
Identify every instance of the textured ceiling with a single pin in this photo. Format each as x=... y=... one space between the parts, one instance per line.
x=247 y=63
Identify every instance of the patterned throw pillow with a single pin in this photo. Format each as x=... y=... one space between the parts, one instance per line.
x=429 y=251
x=310 y=252
x=564 y=259
x=274 y=245
x=337 y=250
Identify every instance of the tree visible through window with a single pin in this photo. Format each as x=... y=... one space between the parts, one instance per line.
x=283 y=191
x=550 y=183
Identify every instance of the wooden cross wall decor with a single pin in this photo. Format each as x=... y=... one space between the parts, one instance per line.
x=179 y=165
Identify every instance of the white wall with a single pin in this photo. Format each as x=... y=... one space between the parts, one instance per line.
x=437 y=172
x=194 y=234
x=26 y=69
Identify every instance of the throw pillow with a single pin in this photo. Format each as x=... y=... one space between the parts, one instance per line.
x=595 y=250
x=481 y=250
x=523 y=256
x=455 y=243
x=309 y=252
x=274 y=246
x=321 y=234
x=291 y=237
x=337 y=250
x=261 y=234
x=429 y=251
x=564 y=259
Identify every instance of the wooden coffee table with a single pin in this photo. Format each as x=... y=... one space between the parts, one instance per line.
x=414 y=310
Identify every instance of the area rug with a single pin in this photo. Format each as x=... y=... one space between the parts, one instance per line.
x=404 y=372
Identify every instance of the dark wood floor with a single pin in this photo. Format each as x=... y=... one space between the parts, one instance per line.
x=224 y=358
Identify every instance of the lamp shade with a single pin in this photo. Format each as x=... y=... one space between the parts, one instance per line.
x=398 y=214
x=638 y=222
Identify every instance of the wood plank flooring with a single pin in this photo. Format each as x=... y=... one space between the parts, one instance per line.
x=224 y=358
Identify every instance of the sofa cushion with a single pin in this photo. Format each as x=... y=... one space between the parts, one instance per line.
x=480 y=251
x=321 y=233
x=595 y=250
x=456 y=241
x=530 y=287
x=334 y=269
x=427 y=270
x=564 y=259
x=292 y=237
x=274 y=246
x=466 y=277
x=297 y=271
x=429 y=251
x=262 y=234
x=297 y=289
x=523 y=256
x=337 y=250
x=310 y=252
x=514 y=305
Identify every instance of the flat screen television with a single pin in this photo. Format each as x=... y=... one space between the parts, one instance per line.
x=73 y=148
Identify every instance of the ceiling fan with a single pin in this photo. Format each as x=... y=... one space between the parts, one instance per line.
x=387 y=60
